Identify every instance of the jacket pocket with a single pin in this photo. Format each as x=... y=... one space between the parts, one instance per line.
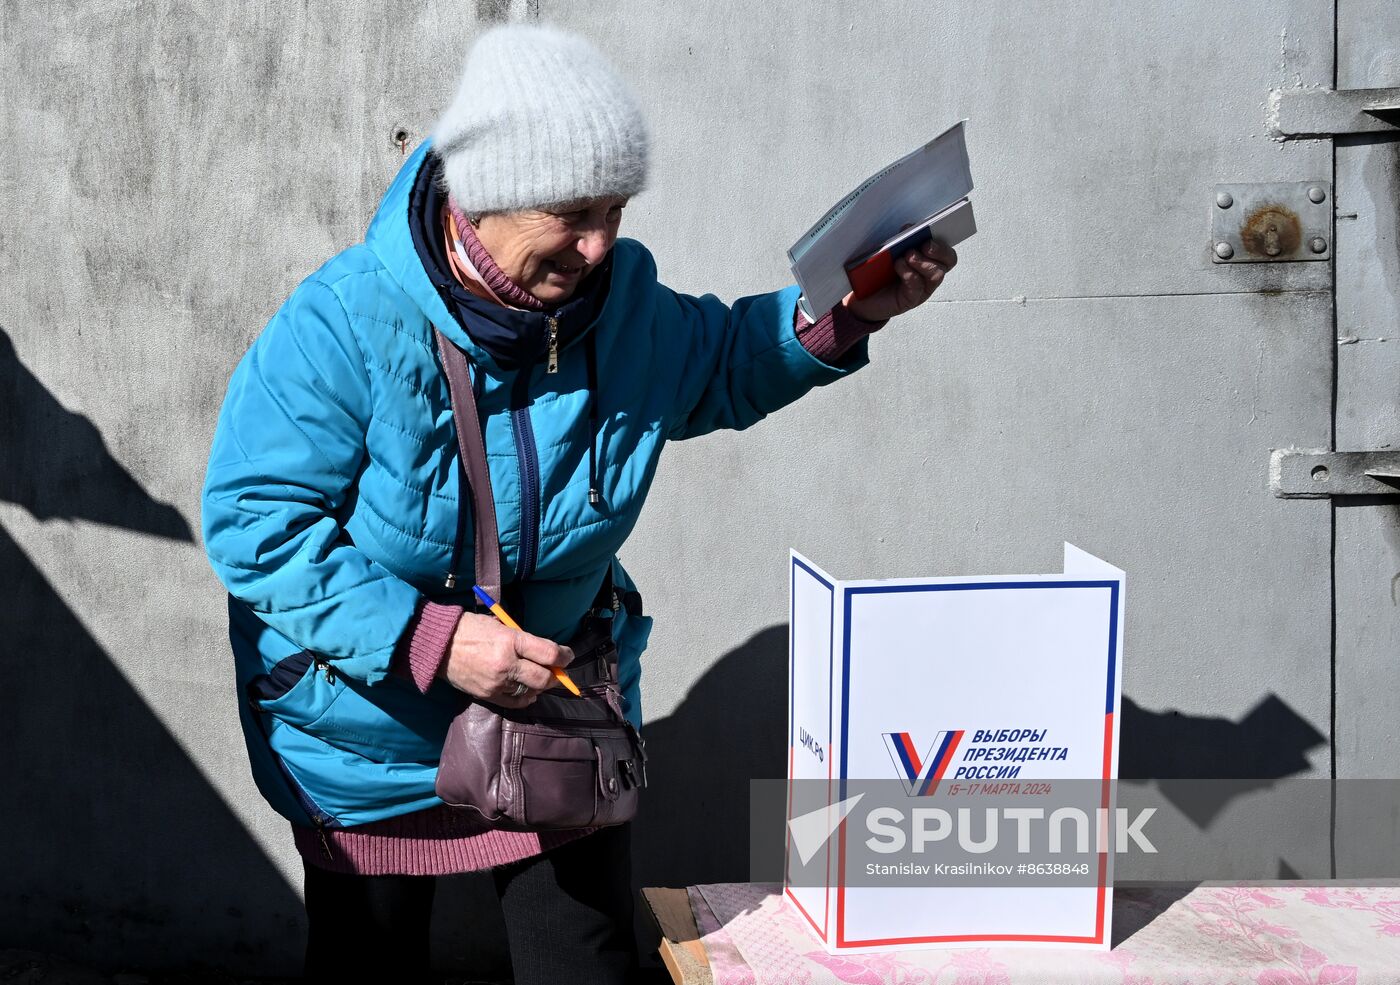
x=340 y=789
x=281 y=678
x=264 y=692
x=298 y=690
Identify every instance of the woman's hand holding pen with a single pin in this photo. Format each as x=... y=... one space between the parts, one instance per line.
x=917 y=275
x=490 y=661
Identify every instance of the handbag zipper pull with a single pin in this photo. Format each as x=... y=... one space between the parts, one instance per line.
x=553 y=366
x=451 y=581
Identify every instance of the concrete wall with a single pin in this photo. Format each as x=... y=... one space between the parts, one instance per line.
x=171 y=170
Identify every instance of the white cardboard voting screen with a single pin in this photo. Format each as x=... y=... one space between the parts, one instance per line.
x=936 y=661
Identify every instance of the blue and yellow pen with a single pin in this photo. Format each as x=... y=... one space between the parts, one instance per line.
x=501 y=614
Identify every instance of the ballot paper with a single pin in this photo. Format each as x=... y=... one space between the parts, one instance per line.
x=910 y=192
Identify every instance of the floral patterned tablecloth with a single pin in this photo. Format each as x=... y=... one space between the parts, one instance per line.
x=1210 y=934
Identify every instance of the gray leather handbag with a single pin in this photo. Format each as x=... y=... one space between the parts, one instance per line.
x=565 y=761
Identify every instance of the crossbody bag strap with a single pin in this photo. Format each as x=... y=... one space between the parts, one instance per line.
x=472 y=447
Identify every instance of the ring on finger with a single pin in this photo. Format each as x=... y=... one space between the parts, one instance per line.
x=520 y=689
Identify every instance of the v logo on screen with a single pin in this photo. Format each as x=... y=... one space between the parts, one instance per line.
x=921 y=775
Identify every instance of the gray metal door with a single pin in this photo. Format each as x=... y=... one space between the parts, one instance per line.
x=1367 y=528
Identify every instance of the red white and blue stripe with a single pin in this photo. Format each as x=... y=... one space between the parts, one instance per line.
x=921 y=776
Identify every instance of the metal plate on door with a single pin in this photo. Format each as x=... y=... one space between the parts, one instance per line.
x=1301 y=473
x=1271 y=222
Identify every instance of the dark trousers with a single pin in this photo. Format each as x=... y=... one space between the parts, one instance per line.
x=568 y=916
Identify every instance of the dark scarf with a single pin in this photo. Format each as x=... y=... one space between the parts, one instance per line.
x=515 y=339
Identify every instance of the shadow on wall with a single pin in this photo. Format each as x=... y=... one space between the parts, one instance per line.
x=1269 y=743
x=119 y=851
x=694 y=823
x=55 y=464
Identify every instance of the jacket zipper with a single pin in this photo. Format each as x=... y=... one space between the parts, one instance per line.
x=527 y=455
x=528 y=458
x=319 y=818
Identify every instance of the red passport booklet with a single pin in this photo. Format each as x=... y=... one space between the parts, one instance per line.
x=874 y=270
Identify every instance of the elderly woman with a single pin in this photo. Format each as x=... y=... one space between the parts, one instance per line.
x=336 y=513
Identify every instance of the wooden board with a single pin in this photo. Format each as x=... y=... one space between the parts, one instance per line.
x=681 y=950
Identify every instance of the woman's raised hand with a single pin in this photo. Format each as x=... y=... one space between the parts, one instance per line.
x=493 y=662
x=917 y=275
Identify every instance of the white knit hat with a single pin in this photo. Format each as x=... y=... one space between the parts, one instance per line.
x=540 y=118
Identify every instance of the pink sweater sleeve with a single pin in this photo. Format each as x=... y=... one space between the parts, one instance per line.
x=423 y=648
x=831 y=336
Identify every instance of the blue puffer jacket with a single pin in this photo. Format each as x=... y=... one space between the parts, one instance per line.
x=332 y=506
